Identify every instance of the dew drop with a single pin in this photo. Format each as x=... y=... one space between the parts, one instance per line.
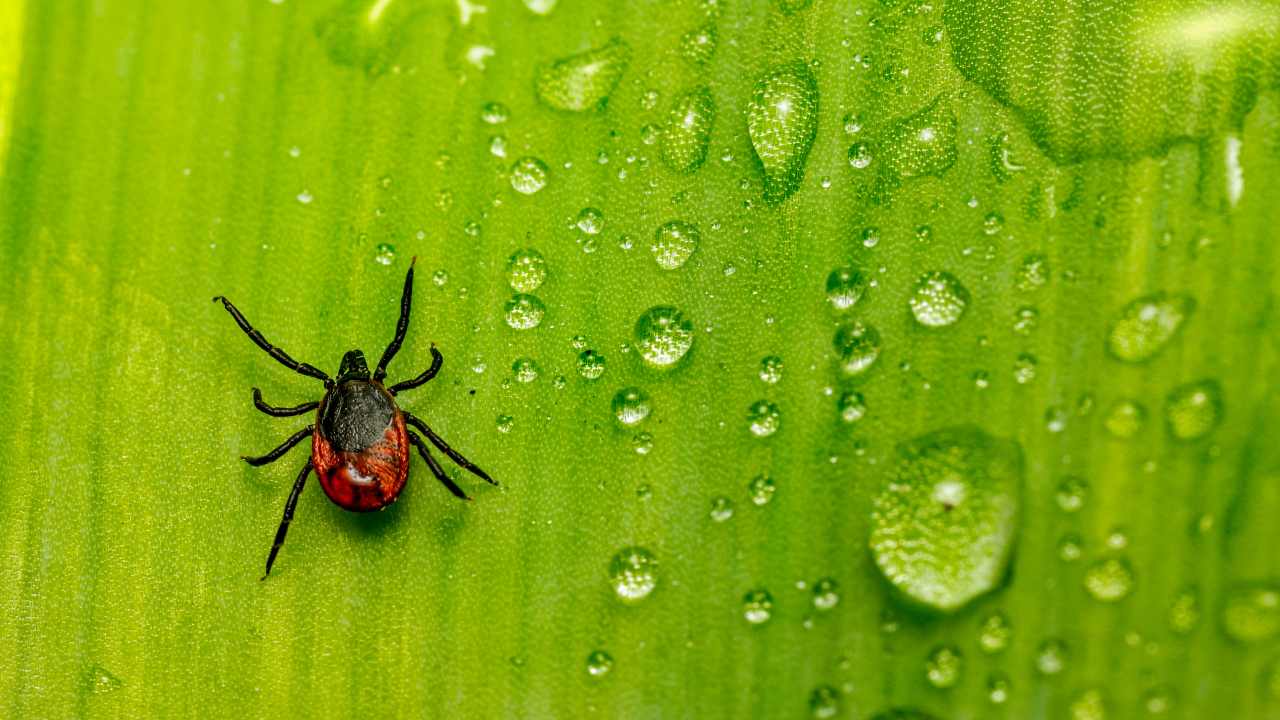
x=995 y=633
x=583 y=81
x=721 y=508
x=761 y=489
x=663 y=336
x=526 y=270
x=1125 y=418
x=845 y=287
x=1051 y=657
x=1071 y=494
x=782 y=121
x=494 y=113
x=590 y=221
x=852 y=406
x=524 y=312
x=998 y=689
x=757 y=606
x=599 y=663
x=1024 y=368
x=525 y=370
x=858 y=347
x=938 y=299
x=528 y=175
x=944 y=666
x=1251 y=612
x=590 y=364
x=944 y=525
x=384 y=254
x=824 y=702
x=764 y=418
x=1109 y=580
x=770 y=369
x=1146 y=325
x=633 y=572
x=673 y=243
x=1193 y=410
x=631 y=406
x=826 y=594
x=687 y=131
x=505 y=423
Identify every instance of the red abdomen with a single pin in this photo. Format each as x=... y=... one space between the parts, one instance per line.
x=369 y=479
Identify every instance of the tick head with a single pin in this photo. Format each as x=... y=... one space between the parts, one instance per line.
x=353 y=367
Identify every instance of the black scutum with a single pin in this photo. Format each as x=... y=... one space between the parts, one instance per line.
x=355 y=416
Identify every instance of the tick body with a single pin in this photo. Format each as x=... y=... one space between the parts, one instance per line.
x=360 y=440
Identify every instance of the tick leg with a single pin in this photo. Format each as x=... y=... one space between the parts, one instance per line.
x=405 y=298
x=289 y=505
x=281 y=356
x=435 y=467
x=274 y=411
x=284 y=447
x=436 y=361
x=444 y=448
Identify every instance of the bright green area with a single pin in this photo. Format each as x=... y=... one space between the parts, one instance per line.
x=160 y=153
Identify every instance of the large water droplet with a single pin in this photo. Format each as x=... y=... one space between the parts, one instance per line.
x=943 y=527
x=633 y=572
x=923 y=144
x=1251 y=613
x=687 y=131
x=631 y=406
x=944 y=666
x=1193 y=410
x=1145 y=325
x=938 y=299
x=528 y=175
x=757 y=606
x=673 y=243
x=698 y=45
x=583 y=81
x=845 y=287
x=524 y=312
x=663 y=336
x=526 y=270
x=782 y=120
x=366 y=34
x=858 y=346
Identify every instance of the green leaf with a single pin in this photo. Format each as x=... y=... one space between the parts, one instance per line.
x=687 y=332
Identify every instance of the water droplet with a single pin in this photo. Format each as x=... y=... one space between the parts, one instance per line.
x=761 y=489
x=826 y=594
x=1024 y=368
x=366 y=34
x=993 y=223
x=673 y=243
x=631 y=405
x=305 y=197
x=1251 y=613
x=384 y=254
x=944 y=666
x=1125 y=418
x=1109 y=580
x=1193 y=410
x=995 y=633
x=1158 y=700
x=687 y=131
x=526 y=270
x=524 y=312
x=528 y=175
x=1089 y=706
x=764 y=418
x=1184 y=611
x=859 y=155
x=938 y=299
x=1145 y=325
x=757 y=606
x=782 y=120
x=101 y=680
x=633 y=573
x=590 y=221
x=540 y=7
x=998 y=689
x=590 y=364
x=845 y=287
x=583 y=81
x=1051 y=657
x=943 y=527
x=1070 y=548
x=1025 y=320
x=1071 y=494
x=698 y=45
x=922 y=144
x=494 y=113
x=770 y=369
x=721 y=508
x=824 y=702
x=440 y=277
x=525 y=370
x=1033 y=274
x=858 y=346
x=599 y=663
x=852 y=406
x=663 y=336
x=505 y=423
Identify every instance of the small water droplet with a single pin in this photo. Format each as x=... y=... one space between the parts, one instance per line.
x=845 y=286
x=852 y=406
x=770 y=369
x=824 y=702
x=938 y=299
x=505 y=423
x=1089 y=705
x=673 y=243
x=642 y=443
x=1051 y=657
x=633 y=572
x=384 y=254
x=757 y=606
x=721 y=508
x=590 y=364
x=687 y=131
x=1145 y=326
x=944 y=666
x=528 y=175
x=1193 y=410
x=761 y=489
x=995 y=633
x=764 y=418
x=599 y=663
x=1109 y=580
x=305 y=197
x=1251 y=613
x=998 y=689
x=1072 y=491
x=858 y=347
x=631 y=406
x=526 y=270
x=524 y=312
x=1024 y=368
x=1033 y=273
x=590 y=221
x=1184 y=611
x=1070 y=547
x=101 y=680
x=698 y=45
x=826 y=594
x=1125 y=418
x=494 y=113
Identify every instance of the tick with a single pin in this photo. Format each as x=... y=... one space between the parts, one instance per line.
x=359 y=442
